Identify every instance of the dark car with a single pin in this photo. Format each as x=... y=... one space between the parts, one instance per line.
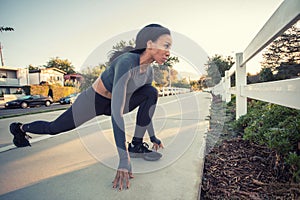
x=67 y=99
x=29 y=101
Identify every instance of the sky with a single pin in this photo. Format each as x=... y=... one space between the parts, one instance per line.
x=77 y=29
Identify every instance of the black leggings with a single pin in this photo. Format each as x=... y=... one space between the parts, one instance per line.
x=90 y=104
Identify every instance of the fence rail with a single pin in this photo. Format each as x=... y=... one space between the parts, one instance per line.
x=285 y=92
x=167 y=91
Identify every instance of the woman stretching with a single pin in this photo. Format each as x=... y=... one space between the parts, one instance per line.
x=122 y=87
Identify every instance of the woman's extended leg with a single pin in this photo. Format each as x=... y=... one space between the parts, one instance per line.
x=87 y=105
x=81 y=111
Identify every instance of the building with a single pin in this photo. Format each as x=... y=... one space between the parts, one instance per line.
x=48 y=75
x=11 y=79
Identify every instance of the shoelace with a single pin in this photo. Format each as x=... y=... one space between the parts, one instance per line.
x=27 y=136
x=145 y=147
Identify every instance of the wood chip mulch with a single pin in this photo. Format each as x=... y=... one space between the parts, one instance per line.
x=239 y=169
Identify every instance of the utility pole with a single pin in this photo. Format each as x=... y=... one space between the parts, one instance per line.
x=2 y=60
x=170 y=83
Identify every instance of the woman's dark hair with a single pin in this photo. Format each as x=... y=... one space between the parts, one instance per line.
x=150 y=32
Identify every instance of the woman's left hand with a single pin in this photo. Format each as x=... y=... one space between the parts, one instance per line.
x=122 y=176
x=157 y=146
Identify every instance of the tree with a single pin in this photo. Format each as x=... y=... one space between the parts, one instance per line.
x=119 y=48
x=283 y=50
x=165 y=74
x=122 y=44
x=31 y=67
x=172 y=60
x=266 y=75
x=90 y=74
x=2 y=29
x=216 y=67
x=64 y=65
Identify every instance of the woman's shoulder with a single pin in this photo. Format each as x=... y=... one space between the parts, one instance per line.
x=127 y=60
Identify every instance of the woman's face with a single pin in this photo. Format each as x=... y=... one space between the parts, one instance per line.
x=160 y=49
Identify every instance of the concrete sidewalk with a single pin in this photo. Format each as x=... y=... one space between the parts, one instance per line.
x=72 y=167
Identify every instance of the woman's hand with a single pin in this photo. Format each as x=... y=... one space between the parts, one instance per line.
x=157 y=146
x=156 y=143
x=121 y=176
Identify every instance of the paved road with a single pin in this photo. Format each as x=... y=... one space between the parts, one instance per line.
x=80 y=164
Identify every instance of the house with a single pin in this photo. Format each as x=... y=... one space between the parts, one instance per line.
x=73 y=79
x=49 y=75
x=11 y=79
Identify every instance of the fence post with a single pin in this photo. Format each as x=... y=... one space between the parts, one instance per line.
x=222 y=88
x=240 y=82
x=227 y=87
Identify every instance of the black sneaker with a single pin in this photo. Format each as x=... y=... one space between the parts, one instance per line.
x=142 y=151
x=20 y=137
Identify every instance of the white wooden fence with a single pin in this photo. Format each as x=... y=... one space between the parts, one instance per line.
x=167 y=91
x=285 y=92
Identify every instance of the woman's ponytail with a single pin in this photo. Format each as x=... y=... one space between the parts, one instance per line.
x=116 y=53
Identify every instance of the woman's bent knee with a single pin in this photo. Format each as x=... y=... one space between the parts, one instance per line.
x=152 y=92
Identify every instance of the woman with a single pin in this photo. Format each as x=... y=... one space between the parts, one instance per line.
x=121 y=88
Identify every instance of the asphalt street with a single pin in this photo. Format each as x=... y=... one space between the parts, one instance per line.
x=81 y=164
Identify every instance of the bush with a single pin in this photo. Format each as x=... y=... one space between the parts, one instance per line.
x=58 y=91
x=276 y=126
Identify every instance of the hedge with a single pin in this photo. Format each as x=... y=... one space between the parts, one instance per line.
x=58 y=91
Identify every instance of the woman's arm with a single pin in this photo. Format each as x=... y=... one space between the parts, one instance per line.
x=121 y=77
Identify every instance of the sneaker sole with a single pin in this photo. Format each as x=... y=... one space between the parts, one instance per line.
x=151 y=158
x=145 y=157
x=17 y=140
x=12 y=129
x=136 y=155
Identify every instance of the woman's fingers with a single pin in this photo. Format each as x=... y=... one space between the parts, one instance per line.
x=127 y=180
x=157 y=146
x=121 y=177
x=116 y=180
x=161 y=145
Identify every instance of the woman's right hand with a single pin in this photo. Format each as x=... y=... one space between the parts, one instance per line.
x=122 y=176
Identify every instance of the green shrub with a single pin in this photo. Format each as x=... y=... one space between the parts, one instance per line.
x=293 y=160
x=276 y=126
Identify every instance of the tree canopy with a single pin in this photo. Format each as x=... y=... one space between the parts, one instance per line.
x=281 y=59
x=283 y=50
x=90 y=74
x=216 y=67
x=3 y=29
x=64 y=65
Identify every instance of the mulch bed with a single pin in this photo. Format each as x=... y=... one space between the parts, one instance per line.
x=238 y=169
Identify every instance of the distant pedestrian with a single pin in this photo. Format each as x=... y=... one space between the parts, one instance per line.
x=50 y=92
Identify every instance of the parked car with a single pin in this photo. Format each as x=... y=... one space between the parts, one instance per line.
x=29 y=101
x=67 y=99
x=72 y=99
